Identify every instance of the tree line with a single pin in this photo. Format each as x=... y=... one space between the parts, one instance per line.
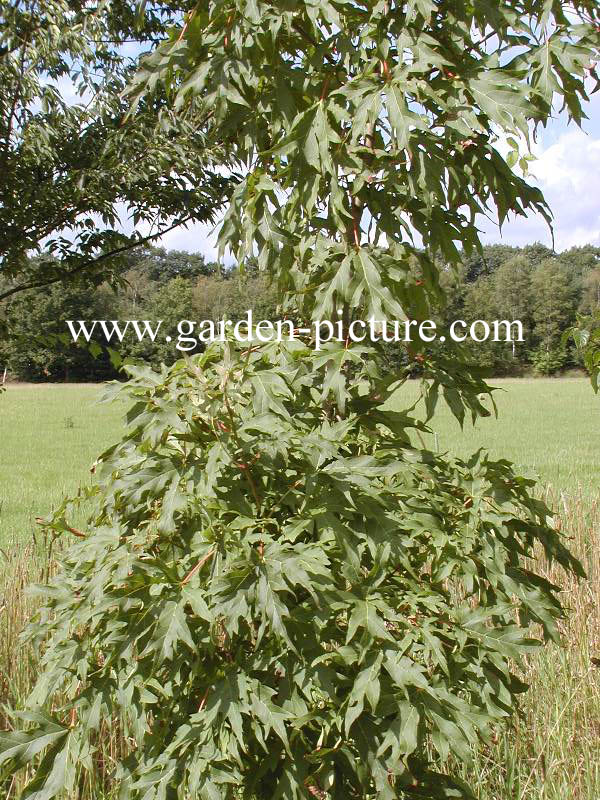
x=156 y=284
x=542 y=288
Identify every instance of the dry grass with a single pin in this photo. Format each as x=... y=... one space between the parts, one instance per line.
x=552 y=750
x=22 y=567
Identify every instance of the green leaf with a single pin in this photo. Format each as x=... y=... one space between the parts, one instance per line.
x=171 y=628
x=50 y=776
x=22 y=747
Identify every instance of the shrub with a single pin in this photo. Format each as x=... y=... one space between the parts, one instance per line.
x=281 y=600
x=549 y=361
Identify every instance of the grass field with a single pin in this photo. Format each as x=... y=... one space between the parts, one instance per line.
x=51 y=434
x=550 y=427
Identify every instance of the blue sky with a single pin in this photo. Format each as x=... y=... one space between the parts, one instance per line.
x=567 y=170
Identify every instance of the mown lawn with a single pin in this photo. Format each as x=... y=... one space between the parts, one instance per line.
x=549 y=426
x=50 y=435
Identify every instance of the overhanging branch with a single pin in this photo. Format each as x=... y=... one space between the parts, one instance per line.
x=92 y=261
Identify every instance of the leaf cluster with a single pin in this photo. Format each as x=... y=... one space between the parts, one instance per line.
x=74 y=174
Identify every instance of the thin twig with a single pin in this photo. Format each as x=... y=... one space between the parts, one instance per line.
x=246 y=467
x=93 y=261
x=198 y=566
x=74 y=531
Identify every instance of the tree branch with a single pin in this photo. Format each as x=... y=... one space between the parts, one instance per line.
x=92 y=261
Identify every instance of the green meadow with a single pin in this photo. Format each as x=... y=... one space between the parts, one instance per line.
x=550 y=427
x=50 y=435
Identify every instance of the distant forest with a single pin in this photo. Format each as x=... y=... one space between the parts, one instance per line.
x=543 y=289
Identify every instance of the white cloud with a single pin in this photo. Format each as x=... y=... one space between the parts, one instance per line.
x=196 y=238
x=568 y=173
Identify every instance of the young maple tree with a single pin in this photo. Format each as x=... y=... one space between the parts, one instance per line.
x=281 y=594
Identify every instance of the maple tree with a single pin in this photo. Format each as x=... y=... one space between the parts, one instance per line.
x=282 y=593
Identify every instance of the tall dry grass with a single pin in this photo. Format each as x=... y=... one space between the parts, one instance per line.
x=20 y=567
x=550 y=752
x=552 y=749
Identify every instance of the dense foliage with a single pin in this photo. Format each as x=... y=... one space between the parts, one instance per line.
x=273 y=599
x=75 y=177
x=586 y=337
x=280 y=595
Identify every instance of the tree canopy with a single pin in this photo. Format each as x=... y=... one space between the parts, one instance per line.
x=422 y=91
x=79 y=184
